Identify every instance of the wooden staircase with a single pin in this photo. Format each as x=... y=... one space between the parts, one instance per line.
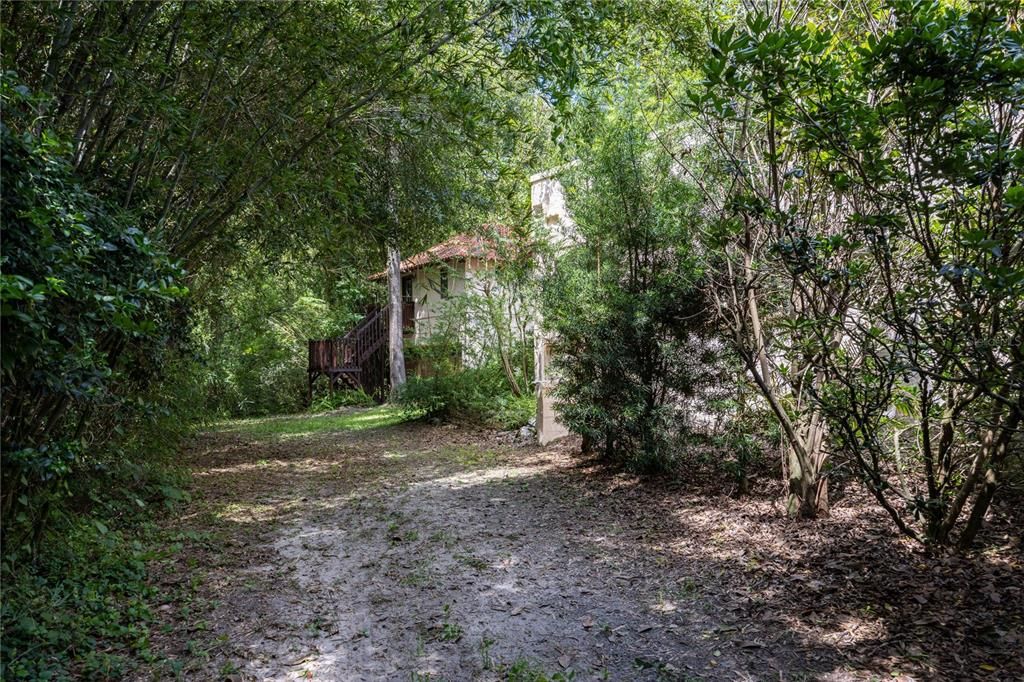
x=358 y=360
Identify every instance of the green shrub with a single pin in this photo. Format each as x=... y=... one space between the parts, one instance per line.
x=430 y=397
x=91 y=315
x=625 y=302
x=479 y=395
x=99 y=386
x=253 y=327
x=512 y=412
x=342 y=398
x=81 y=613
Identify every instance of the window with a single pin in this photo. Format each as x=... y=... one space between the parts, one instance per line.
x=444 y=282
x=407 y=290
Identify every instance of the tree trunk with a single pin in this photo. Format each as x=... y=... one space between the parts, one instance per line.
x=807 y=496
x=995 y=445
x=587 y=446
x=396 y=346
x=977 y=517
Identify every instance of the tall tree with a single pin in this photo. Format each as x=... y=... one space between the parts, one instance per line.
x=396 y=328
x=202 y=116
x=625 y=302
x=873 y=210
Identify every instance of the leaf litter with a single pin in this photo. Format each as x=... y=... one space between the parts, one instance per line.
x=325 y=559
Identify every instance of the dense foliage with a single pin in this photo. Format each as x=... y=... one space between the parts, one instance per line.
x=808 y=233
x=873 y=247
x=89 y=313
x=253 y=346
x=626 y=304
x=92 y=325
x=478 y=396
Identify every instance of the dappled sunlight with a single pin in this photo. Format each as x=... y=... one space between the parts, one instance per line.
x=255 y=513
x=537 y=546
x=507 y=587
x=348 y=465
x=700 y=326
x=305 y=426
x=464 y=479
x=664 y=606
x=319 y=533
x=315 y=666
x=852 y=630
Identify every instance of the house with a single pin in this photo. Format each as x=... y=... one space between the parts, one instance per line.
x=463 y=264
x=458 y=268
x=433 y=282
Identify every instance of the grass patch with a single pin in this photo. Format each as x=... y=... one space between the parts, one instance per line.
x=448 y=631
x=473 y=562
x=302 y=425
x=470 y=456
x=420 y=576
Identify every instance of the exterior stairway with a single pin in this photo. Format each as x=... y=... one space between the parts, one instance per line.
x=358 y=360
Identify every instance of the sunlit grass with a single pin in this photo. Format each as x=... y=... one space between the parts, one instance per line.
x=470 y=456
x=301 y=425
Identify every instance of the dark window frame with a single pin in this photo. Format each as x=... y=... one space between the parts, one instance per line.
x=444 y=283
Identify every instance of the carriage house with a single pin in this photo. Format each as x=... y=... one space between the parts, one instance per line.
x=461 y=265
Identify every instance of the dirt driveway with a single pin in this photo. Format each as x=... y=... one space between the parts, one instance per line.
x=355 y=547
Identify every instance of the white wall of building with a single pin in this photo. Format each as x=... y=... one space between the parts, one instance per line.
x=547 y=196
x=429 y=300
x=435 y=313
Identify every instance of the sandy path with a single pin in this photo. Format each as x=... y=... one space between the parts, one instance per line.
x=409 y=552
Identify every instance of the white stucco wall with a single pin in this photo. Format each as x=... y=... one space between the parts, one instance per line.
x=547 y=196
x=430 y=303
x=547 y=199
x=433 y=312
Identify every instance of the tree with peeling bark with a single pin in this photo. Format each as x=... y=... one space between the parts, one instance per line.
x=748 y=127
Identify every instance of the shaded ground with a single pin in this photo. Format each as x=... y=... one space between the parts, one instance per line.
x=354 y=547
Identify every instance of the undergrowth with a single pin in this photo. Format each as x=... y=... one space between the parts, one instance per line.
x=77 y=603
x=80 y=608
x=344 y=398
x=480 y=396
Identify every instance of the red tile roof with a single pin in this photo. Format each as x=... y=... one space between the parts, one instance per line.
x=459 y=247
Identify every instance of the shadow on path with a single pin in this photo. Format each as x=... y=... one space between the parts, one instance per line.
x=386 y=550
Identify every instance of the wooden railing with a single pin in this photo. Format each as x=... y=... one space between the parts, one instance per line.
x=359 y=358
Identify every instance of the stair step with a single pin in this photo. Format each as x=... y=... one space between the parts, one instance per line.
x=353 y=359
